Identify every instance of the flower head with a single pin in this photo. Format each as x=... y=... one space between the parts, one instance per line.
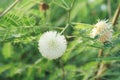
x=52 y=45
x=44 y=6
x=104 y=30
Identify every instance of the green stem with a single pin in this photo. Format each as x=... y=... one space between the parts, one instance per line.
x=69 y=11
x=63 y=70
x=64 y=28
x=65 y=3
x=59 y=5
x=9 y=8
x=45 y=17
x=116 y=15
x=68 y=19
x=109 y=7
x=101 y=65
x=73 y=4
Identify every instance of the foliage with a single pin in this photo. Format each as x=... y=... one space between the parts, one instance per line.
x=22 y=26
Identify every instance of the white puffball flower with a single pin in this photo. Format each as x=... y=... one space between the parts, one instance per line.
x=103 y=30
x=52 y=45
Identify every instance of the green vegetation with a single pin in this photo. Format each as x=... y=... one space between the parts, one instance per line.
x=22 y=26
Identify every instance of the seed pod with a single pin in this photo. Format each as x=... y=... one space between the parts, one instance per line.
x=43 y=6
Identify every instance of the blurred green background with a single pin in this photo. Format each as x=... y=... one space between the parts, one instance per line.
x=22 y=26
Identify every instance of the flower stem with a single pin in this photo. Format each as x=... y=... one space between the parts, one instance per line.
x=63 y=70
x=64 y=28
x=9 y=8
x=98 y=73
x=109 y=7
x=68 y=17
x=69 y=11
x=101 y=65
x=116 y=15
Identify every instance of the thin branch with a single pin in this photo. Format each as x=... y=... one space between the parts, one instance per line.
x=68 y=15
x=116 y=15
x=9 y=8
x=62 y=6
x=109 y=7
x=67 y=25
x=65 y=3
x=69 y=11
x=63 y=70
x=101 y=65
x=100 y=54
x=73 y=4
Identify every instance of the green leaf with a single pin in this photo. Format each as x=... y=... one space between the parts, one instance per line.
x=7 y=50
x=4 y=67
x=83 y=26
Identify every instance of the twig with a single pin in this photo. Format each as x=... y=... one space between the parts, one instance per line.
x=109 y=7
x=59 y=5
x=100 y=54
x=64 y=28
x=69 y=11
x=9 y=8
x=101 y=65
x=67 y=25
x=68 y=19
x=115 y=18
x=63 y=71
x=73 y=4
